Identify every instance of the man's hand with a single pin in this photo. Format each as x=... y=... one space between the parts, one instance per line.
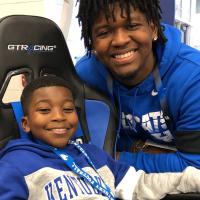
x=190 y=180
x=144 y=146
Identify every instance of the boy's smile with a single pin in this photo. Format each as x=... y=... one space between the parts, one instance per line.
x=52 y=116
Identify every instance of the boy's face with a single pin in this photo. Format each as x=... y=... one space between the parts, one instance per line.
x=51 y=116
x=125 y=48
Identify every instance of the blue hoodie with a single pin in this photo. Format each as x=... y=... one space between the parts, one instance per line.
x=140 y=110
x=30 y=170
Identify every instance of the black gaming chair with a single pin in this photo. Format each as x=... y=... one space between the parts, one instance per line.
x=35 y=46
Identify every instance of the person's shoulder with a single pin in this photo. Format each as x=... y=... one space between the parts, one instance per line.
x=170 y=30
x=190 y=54
x=185 y=52
x=92 y=71
x=11 y=147
x=186 y=68
x=18 y=150
x=85 y=66
x=181 y=58
x=86 y=60
x=27 y=156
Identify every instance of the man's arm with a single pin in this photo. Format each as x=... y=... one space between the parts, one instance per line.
x=162 y=162
x=155 y=186
x=186 y=115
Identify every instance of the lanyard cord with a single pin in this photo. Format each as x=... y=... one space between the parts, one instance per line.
x=162 y=98
x=69 y=161
x=161 y=94
x=109 y=81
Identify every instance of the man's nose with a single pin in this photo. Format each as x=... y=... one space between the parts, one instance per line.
x=120 y=37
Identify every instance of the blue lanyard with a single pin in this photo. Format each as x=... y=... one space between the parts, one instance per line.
x=162 y=98
x=69 y=161
x=161 y=95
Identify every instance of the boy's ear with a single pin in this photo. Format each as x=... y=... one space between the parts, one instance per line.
x=25 y=124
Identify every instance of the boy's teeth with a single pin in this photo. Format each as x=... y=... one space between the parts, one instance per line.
x=59 y=130
x=124 y=55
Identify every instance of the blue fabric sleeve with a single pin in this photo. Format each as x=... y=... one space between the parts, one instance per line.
x=163 y=162
x=185 y=106
x=12 y=183
x=93 y=72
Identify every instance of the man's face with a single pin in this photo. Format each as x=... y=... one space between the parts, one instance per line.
x=125 y=48
x=52 y=116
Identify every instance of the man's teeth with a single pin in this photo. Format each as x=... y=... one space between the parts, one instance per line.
x=124 y=55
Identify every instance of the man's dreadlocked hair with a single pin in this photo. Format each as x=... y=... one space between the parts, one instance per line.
x=89 y=10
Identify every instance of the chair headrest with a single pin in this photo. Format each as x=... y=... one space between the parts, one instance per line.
x=34 y=45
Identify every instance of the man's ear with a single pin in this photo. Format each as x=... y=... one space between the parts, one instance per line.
x=25 y=124
x=154 y=31
x=94 y=52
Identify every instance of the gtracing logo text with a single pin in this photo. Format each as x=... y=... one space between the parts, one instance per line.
x=31 y=48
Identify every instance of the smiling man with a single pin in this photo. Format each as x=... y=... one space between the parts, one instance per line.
x=151 y=77
x=125 y=48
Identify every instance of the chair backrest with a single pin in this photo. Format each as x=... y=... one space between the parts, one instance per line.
x=35 y=46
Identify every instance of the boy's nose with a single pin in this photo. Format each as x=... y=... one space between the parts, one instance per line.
x=58 y=115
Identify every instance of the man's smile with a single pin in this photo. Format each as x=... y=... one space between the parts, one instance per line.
x=124 y=57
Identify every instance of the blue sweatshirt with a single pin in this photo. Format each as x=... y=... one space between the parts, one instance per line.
x=33 y=171
x=141 y=113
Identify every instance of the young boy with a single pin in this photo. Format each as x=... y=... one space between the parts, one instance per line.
x=47 y=165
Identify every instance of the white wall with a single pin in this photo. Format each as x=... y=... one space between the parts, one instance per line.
x=186 y=13
x=62 y=12
x=195 y=30
x=59 y=11
x=75 y=44
x=29 y=7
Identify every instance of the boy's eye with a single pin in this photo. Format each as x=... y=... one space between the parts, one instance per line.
x=44 y=110
x=68 y=110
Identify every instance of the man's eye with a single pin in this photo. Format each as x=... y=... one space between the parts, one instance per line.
x=132 y=26
x=102 y=33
